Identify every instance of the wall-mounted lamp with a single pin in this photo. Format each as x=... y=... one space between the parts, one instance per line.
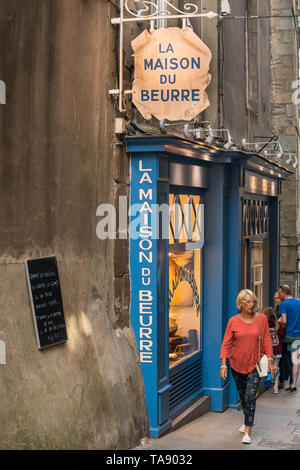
x=259 y=146
x=187 y=131
x=229 y=143
x=280 y=153
x=200 y=133
x=290 y=159
x=225 y=8
x=295 y=164
x=210 y=137
x=275 y=155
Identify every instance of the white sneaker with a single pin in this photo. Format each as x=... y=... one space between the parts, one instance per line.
x=246 y=439
x=242 y=428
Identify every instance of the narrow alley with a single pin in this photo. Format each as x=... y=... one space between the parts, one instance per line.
x=277 y=427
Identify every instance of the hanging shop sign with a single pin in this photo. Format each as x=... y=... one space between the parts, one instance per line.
x=171 y=74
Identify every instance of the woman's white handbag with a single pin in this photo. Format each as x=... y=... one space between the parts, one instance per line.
x=262 y=365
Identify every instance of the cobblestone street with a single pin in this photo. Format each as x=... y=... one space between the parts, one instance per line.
x=277 y=428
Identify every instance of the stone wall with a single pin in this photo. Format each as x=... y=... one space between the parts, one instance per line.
x=256 y=96
x=59 y=161
x=245 y=71
x=285 y=124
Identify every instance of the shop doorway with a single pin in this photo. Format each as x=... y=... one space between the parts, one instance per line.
x=185 y=280
x=257 y=250
x=257 y=270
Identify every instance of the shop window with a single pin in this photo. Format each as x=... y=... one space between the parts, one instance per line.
x=258 y=283
x=257 y=270
x=257 y=223
x=256 y=217
x=184 y=277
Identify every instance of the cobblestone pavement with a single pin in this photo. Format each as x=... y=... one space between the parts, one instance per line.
x=277 y=427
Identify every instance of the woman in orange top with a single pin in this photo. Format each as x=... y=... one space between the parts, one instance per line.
x=240 y=346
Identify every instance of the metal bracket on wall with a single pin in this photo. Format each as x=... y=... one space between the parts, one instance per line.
x=154 y=12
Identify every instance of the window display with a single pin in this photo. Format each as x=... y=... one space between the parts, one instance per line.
x=184 y=283
x=256 y=280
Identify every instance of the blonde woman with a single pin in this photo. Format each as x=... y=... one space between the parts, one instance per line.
x=240 y=346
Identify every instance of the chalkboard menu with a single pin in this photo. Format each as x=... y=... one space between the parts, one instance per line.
x=46 y=301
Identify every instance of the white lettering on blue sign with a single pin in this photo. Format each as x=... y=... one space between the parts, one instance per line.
x=145 y=297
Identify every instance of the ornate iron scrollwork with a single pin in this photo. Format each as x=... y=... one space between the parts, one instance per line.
x=150 y=9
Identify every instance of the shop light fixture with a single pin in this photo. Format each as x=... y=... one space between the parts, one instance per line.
x=225 y=8
x=280 y=153
x=199 y=133
x=210 y=137
x=207 y=134
x=290 y=159
x=187 y=131
x=295 y=164
x=229 y=143
x=186 y=126
x=258 y=146
x=275 y=155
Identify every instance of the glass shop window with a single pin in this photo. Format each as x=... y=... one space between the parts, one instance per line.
x=256 y=282
x=184 y=276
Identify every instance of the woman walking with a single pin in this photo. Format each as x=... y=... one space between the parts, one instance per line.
x=241 y=338
x=277 y=333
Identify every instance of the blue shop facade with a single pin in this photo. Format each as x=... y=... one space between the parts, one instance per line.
x=204 y=225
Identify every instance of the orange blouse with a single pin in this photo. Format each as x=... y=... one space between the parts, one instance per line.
x=242 y=340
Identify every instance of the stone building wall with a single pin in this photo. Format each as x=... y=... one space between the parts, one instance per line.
x=259 y=67
x=59 y=161
x=285 y=124
x=245 y=71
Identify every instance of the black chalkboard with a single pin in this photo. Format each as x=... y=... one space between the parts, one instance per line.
x=46 y=301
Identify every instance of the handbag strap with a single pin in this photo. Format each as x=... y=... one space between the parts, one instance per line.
x=259 y=338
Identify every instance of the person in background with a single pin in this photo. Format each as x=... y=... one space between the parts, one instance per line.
x=284 y=365
x=277 y=333
x=240 y=346
x=289 y=311
x=277 y=302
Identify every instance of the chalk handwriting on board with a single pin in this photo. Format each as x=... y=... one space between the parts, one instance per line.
x=46 y=301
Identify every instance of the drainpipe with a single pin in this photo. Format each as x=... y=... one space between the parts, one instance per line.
x=297 y=293
x=161 y=7
x=247 y=73
x=297 y=284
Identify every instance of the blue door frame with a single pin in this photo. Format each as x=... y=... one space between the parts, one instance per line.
x=186 y=377
x=222 y=276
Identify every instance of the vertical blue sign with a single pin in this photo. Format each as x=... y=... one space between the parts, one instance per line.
x=143 y=270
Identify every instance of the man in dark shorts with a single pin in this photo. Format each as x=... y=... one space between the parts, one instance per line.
x=289 y=311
